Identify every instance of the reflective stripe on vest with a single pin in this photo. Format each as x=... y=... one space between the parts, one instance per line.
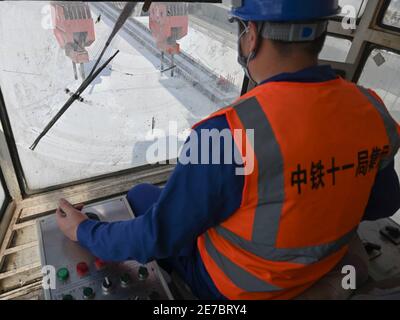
x=390 y=124
x=241 y=278
x=305 y=255
x=270 y=168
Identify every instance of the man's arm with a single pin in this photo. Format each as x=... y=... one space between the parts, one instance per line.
x=195 y=198
x=384 y=200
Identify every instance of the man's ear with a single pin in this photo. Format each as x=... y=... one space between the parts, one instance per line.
x=252 y=36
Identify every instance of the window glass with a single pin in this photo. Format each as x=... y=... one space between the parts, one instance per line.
x=135 y=96
x=335 y=49
x=382 y=73
x=392 y=14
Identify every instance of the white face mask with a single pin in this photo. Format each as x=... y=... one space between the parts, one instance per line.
x=242 y=60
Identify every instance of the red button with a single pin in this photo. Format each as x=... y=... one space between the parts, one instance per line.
x=82 y=269
x=99 y=263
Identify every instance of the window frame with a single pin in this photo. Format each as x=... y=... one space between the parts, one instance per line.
x=381 y=16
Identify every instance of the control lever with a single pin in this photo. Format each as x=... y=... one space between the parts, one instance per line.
x=369 y=247
x=391 y=233
x=373 y=250
x=106 y=285
x=92 y=216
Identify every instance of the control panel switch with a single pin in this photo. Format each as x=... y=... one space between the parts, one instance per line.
x=62 y=274
x=100 y=264
x=82 y=269
x=88 y=293
x=125 y=279
x=106 y=285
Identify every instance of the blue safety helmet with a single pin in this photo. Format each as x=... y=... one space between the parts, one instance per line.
x=283 y=10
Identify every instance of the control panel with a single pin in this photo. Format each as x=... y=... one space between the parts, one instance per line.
x=81 y=276
x=381 y=240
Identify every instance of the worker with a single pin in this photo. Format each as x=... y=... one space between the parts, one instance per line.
x=321 y=160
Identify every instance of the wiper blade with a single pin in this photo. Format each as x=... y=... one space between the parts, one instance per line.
x=125 y=14
x=70 y=101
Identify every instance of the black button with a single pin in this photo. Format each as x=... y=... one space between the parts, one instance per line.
x=88 y=293
x=143 y=273
x=125 y=279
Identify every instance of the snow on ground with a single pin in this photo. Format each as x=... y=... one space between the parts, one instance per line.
x=106 y=132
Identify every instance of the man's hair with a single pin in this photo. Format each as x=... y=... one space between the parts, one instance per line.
x=312 y=48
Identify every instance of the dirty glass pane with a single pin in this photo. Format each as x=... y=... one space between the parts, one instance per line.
x=178 y=62
x=392 y=14
x=335 y=49
x=382 y=73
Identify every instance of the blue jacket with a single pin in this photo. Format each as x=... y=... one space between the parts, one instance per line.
x=198 y=197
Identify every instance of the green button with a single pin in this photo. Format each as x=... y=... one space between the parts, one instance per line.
x=62 y=274
x=67 y=297
x=88 y=293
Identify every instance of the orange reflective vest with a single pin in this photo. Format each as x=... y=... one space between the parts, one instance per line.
x=317 y=148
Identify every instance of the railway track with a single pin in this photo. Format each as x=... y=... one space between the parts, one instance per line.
x=199 y=76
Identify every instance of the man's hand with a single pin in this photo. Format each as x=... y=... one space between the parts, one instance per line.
x=68 y=218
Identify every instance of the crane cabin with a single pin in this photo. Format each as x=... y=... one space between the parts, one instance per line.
x=110 y=143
